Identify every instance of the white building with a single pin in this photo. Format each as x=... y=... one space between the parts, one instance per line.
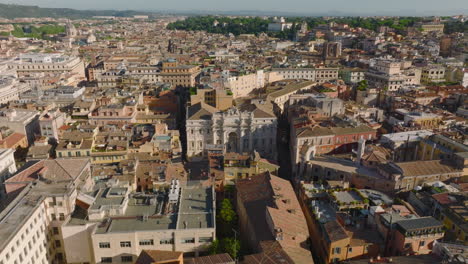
x=11 y=88
x=25 y=122
x=30 y=223
x=50 y=122
x=392 y=74
x=28 y=64
x=244 y=129
x=319 y=75
x=7 y=166
x=279 y=25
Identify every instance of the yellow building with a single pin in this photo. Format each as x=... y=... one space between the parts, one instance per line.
x=220 y=99
x=241 y=166
x=432 y=27
x=439 y=147
x=108 y=157
x=455 y=220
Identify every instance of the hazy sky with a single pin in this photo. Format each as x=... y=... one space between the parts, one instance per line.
x=302 y=6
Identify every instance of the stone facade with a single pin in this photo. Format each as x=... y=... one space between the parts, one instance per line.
x=236 y=130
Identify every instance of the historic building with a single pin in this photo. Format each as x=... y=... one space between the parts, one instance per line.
x=239 y=129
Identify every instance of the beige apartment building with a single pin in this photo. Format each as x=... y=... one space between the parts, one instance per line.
x=242 y=85
x=114 y=225
x=179 y=75
x=113 y=113
x=29 y=64
x=433 y=74
x=319 y=75
x=114 y=61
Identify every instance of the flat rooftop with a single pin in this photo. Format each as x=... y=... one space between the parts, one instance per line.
x=196 y=208
x=105 y=198
x=348 y=197
x=403 y=136
x=325 y=210
x=152 y=212
x=16 y=212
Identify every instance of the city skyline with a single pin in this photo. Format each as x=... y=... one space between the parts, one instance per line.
x=294 y=7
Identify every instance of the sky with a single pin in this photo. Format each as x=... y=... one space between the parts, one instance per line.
x=377 y=7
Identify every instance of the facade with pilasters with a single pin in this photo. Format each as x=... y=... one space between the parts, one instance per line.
x=238 y=129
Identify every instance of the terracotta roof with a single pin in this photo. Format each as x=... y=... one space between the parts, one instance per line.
x=213 y=259
x=335 y=231
x=428 y=167
x=376 y=156
x=443 y=198
x=272 y=253
x=55 y=170
x=150 y=256
x=266 y=192
x=12 y=140
x=201 y=111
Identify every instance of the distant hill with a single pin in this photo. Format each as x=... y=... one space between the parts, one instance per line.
x=17 y=11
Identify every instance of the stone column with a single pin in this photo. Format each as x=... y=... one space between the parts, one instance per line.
x=416 y=152
x=424 y=152
x=432 y=151
x=251 y=140
x=241 y=140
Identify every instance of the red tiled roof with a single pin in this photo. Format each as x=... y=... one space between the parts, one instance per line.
x=443 y=198
x=12 y=140
x=152 y=256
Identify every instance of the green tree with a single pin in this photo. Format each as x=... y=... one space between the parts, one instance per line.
x=362 y=85
x=215 y=247
x=227 y=213
x=232 y=247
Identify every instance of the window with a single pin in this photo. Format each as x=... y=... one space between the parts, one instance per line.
x=104 y=245
x=187 y=240
x=337 y=250
x=57 y=243
x=56 y=230
x=62 y=217
x=146 y=242
x=125 y=244
x=205 y=239
x=106 y=260
x=126 y=259
x=166 y=241
x=350 y=249
x=422 y=243
x=407 y=245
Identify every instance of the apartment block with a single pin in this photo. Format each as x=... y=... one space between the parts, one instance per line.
x=113 y=225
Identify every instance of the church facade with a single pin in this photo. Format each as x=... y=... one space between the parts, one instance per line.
x=239 y=130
